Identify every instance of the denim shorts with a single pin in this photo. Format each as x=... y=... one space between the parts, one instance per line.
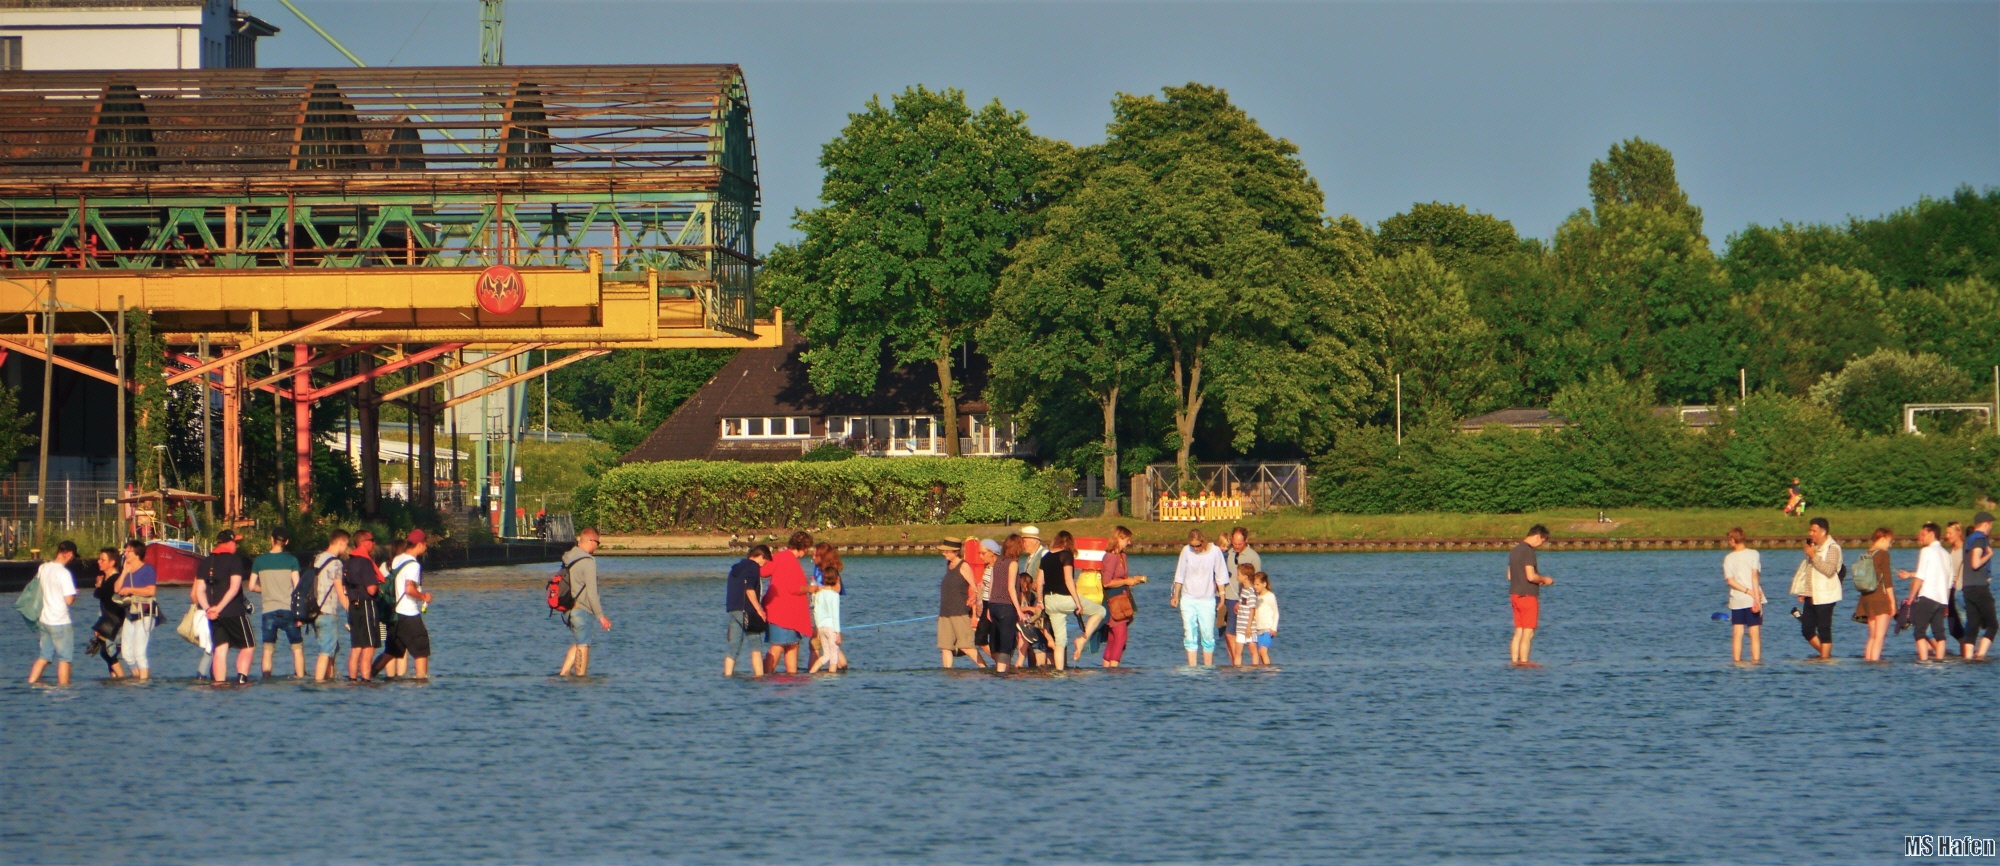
x=777 y=635
x=581 y=625
x=734 y=631
x=326 y=633
x=58 y=642
x=282 y=620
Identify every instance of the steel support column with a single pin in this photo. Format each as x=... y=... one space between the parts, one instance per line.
x=302 y=422
x=232 y=443
x=371 y=439
x=425 y=490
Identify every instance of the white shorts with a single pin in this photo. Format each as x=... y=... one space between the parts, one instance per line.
x=1243 y=639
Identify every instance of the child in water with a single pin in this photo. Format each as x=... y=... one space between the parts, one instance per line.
x=1246 y=614
x=826 y=624
x=1266 y=620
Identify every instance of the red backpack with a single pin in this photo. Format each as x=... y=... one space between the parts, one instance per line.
x=561 y=596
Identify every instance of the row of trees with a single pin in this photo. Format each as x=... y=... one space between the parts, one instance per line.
x=1122 y=289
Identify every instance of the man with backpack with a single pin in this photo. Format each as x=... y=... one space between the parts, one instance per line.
x=324 y=614
x=742 y=603
x=220 y=590
x=579 y=588
x=359 y=583
x=274 y=576
x=410 y=639
x=48 y=599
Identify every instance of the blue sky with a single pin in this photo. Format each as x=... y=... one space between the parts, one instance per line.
x=1774 y=111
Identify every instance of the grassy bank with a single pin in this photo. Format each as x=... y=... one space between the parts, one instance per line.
x=1637 y=524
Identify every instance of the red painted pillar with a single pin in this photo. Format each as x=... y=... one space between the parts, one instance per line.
x=302 y=421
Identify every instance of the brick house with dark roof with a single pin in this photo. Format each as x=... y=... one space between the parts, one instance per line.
x=760 y=407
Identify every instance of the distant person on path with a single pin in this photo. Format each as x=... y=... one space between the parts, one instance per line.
x=1877 y=605
x=587 y=616
x=955 y=603
x=328 y=569
x=1930 y=589
x=359 y=582
x=826 y=622
x=105 y=632
x=1238 y=555
x=1976 y=581
x=406 y=588
x=1795 y=499
x=225 y=575
x=1820 y=590
x=787 y=611
x=1524 y=593
x=1119 y=583
x=52 y=626
x=1266 y=621
x=140 y=586
x=273 y=575
x=1743 y=571
x=741 y=600
x=1199 y=579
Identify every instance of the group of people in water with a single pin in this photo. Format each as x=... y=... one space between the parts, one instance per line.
x=1949 y=594
x=1006 y=604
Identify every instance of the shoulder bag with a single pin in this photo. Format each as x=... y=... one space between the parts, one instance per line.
x=1120 y=607
x=190 y=625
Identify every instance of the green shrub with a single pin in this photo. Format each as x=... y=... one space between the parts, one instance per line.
x=694 y=494
x=826 y=452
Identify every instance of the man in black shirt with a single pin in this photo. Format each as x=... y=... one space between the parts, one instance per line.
x=224 y=576
x=1524 y=593
x=359 y=582
x=742 y=600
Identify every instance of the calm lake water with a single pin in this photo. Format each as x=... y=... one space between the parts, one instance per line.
x=1391 y=732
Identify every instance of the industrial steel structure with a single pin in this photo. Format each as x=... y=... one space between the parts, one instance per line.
x=442 y=219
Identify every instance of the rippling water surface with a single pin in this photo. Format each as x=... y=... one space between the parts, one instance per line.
x=1392 y=731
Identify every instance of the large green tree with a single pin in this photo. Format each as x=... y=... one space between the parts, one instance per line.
x=1455 y=236
x=1443 y=352
x=1074 y=312
x=1262 y=303
x=1641 y=289
x=923 y=200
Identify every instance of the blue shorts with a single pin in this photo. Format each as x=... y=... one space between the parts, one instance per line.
x=282 y=620
x=735 y=632
x=1264 y=640
x=777 y=635
x=1745 y=616
x=581 y=625
x=58 y=642
x=326 y=633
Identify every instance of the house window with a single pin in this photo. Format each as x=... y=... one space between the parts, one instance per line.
x=836 y=427
x=767 y=428
x=10 y=53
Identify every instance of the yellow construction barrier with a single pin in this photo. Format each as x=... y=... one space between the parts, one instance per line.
x=1199 y=510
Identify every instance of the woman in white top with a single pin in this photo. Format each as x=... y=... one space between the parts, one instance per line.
x=1198 y=581
x=1743 y=570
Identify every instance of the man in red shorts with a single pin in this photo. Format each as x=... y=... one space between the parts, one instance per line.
x=1524 y=589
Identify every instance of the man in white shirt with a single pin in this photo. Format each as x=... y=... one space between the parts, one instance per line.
x=1930 y=592
x=58 y=636
x=1198 y=580
x=1823 y=588
x=406 y=586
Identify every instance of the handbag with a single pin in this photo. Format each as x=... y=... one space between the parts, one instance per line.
x=1802 y=579
x=190 y=623
x=1120 y=607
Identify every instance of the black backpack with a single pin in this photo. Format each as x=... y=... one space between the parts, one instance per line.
x=304 y=603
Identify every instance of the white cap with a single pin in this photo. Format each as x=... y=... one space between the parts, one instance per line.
x=1031 y=531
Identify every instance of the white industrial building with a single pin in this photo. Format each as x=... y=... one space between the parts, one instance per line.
x=127 y=34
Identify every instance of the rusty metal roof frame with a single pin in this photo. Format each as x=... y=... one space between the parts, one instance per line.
x=338 y=131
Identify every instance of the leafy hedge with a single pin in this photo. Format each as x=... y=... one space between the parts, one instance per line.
x=696 y=494
x=1614 y=461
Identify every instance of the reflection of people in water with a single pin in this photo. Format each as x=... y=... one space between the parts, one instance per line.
x=1795 y=498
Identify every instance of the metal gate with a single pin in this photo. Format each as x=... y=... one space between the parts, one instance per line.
x=1262 y=486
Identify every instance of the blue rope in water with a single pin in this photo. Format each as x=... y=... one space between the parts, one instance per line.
x=891 y=622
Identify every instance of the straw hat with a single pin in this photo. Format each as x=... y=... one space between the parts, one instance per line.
x=1031 y=531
